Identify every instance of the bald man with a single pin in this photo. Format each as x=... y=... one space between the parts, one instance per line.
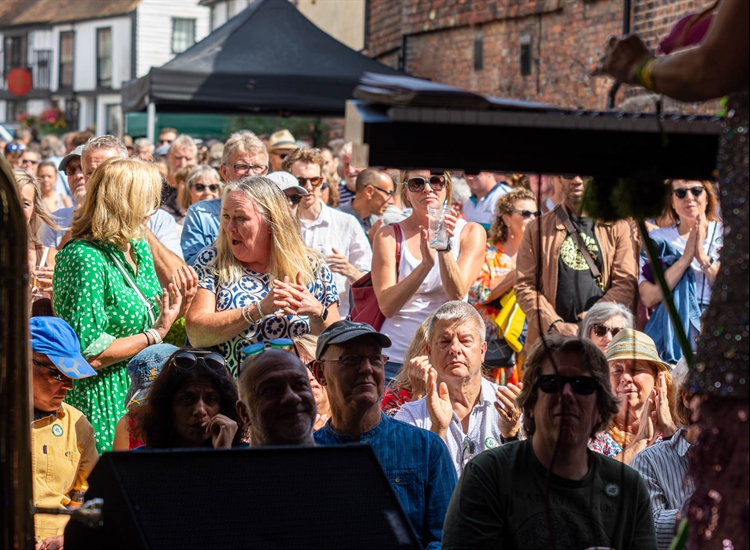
x=276 y=400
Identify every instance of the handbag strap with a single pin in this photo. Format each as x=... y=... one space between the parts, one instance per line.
x=128 y=279
x=579 y=242
x=399 y=236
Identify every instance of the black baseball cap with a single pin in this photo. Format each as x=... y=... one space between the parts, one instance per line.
x=343 y=331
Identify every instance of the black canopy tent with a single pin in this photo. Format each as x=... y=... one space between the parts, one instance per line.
x=268 y=59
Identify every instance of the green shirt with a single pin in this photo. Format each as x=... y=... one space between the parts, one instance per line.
x=503 y=498
x=91 y=294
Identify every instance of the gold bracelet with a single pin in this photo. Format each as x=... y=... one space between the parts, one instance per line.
x=644 y=74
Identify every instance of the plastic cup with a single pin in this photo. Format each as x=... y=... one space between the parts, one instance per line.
x=437 y=233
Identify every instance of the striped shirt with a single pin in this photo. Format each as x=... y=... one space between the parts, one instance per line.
x=663 y=467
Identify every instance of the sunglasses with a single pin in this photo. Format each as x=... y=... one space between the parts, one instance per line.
x=682 y=192
x=284 y=344
x=29 y=161
x=316 y=181
x=602 y=330
x=582 y=385
x=56 y=374
x=187 y=360
x=416 y=184
x=201 y=187
x=526 y=214
x=295 y=198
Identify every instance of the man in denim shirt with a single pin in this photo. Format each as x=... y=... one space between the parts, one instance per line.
x=350 y=364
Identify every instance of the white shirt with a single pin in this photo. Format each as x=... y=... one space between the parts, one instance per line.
x=711 y=245
x=334 y=229
x=483 y=432
x=482 y=210
x=161 y=224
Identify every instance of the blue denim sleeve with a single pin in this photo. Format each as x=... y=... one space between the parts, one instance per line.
x=200 y=230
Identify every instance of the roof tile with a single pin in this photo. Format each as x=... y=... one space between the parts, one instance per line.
x=25 y=12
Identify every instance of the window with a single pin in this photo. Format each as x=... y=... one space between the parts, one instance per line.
x=15 y=108
x=67 y=42
x=104 y=57
x=114 y=116
x=14 y=55
x=478 y=52
x=525 y=55
x=72 y=107
x=183 y=34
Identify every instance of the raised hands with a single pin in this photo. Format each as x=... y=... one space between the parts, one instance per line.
x=170 y=305
x=418 y=371
x=340 y=264
x=438 y=405
x=510 y=415
x=291 y=298
x=428 y=254
x=187 y=281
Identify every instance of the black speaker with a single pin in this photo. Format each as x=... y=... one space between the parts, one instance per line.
x=273 y=497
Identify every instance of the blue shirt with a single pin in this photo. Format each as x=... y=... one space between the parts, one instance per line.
x=418 y=466
x=201 y=228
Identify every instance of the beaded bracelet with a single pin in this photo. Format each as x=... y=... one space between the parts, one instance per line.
x=644 y=75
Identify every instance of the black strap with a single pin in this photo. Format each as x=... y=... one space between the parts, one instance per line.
x=563 y=215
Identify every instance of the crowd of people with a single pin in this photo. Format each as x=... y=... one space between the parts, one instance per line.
x=523 y=388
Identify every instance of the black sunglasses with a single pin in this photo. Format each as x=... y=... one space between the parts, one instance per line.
x=602 y=330
x=682 y=192
x=201 y=187
x=296 y=198
x=582 y=385
x=56 y=374
x=187 y=360
x=526 y=214
x=417 y=183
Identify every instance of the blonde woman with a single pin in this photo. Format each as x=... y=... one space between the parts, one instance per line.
x=258 y=281
x=106 y=288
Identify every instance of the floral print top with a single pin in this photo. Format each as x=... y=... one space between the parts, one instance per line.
x=252 y=288
x=496 y=264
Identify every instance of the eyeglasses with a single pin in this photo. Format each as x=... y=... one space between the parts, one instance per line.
x=257 y=169
x=187 y=360
x=56 y=374
x=388 y=193
x=526 y=214
x=582 y=385
x=314 y=182
x=296 y=198
x=682 y=192
x=13 y=147
x=201 y=187
x=602 y=330
x=416 y=184
x=353 y=361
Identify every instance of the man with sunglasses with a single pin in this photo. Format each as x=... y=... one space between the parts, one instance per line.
x=485 y=191
x=550 y=490
x=63 y=450
x=350 y=364
x=291 y=188
x=335 y=234
x=581 y=262
x=372 y=204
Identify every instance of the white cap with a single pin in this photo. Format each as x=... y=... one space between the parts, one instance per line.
x=286 y=181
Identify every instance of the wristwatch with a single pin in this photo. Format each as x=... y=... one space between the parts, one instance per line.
x=446 y=249
x=323 y=315
x=708 y=264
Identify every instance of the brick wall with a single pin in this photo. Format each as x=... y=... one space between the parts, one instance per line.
x=566 y=38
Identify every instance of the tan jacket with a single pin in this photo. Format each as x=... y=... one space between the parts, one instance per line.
x=619 y=269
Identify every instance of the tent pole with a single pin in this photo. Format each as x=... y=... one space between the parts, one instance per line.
x=151 y=121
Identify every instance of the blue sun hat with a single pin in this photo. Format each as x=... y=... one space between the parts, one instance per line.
x=143 y=369
x=56 y=339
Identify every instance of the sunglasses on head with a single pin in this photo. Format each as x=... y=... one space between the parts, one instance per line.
x=13 y=147
x=602 y=330
x=201 y=187
x=582 y=385
x=56 y=374
x=526 y=214
x=284 y=344
x=187 y=360
x=682 y=192
x=317 y=180
x=417 y=183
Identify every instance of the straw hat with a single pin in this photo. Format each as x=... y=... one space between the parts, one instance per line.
x=630 y=344
x=283 y=140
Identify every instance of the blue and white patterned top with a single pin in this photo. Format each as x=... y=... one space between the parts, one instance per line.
x=251 y=288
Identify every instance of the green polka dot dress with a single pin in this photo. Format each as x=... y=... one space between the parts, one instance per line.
x=90 y=293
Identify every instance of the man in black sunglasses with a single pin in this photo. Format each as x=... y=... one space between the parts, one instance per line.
x=563 y=495
x=63 y=449
x=372 y=204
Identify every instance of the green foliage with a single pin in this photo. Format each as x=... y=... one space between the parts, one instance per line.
x=312 y=127
x=641 y=196
x=177 y=334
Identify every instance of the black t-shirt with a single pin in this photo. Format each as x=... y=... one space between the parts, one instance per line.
x=577 y=290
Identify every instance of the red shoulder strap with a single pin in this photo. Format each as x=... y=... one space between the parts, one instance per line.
x=399 y=237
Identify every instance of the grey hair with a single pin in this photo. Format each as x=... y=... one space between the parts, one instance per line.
x=243 y=141
x=144 y=142
x=461 y=191
x=106 y=142
x=51 y=147
x=457 y=311
x=183 y=141
x=200 y=171
x=601 y=312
